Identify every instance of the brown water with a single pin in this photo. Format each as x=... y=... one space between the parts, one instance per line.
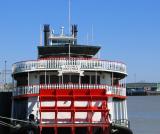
x=144 y=114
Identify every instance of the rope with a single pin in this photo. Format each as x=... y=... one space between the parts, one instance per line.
x=12 y=119
x=6 y=124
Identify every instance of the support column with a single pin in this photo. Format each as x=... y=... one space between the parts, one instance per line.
x=60 y=81
x=45 y=75
x=56 y=113
x=117 y=109
x=104 y=130
x=89 y=129
x=96 y=78
x=126 y=109
x=89 y=115
x=55 y=130
x=113 y=111
x=79 y=79
x=112 y=80
x=62 y=78
x=40 y=115
x=72 y=112
x=73 y=130
x=28 y=78
x=120 y=105
x=40 y=130
x=12 y=114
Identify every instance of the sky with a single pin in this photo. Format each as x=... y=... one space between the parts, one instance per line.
x=127 y=31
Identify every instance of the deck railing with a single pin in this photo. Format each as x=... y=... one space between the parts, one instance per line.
x=34 y=89
x=121 y=122
x=57 y=63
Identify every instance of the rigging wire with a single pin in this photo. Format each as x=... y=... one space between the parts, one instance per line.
x=13 y=119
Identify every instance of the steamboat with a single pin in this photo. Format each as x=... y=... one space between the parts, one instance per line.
x=68 y=90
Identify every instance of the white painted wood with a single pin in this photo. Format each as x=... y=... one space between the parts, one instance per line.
x=56 y=64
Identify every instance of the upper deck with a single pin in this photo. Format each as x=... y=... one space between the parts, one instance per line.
x=65 y=50
x=81 y=64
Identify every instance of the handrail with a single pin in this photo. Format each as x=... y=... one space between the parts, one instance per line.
x=122 y=122
x=34 y=89
x=56 y=64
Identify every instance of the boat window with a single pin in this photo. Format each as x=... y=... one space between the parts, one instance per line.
x=98 y=79
x=116 y=82
x=70 y=78
x=66 y=78
x=93 y=79
x=22 y=80
x=54 y=79
x=44 y=80
x=85 y=79
x=75 y=79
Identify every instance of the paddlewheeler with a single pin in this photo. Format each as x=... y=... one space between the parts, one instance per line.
x=68 y=90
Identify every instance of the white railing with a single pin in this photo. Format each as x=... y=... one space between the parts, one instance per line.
x=57 y=63
x=34 y=89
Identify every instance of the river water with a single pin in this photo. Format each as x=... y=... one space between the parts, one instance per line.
x=144 y=114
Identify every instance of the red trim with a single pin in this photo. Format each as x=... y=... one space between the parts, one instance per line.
x=119 y=97
x=25 y=96
x=73 y=125
x=69 y=97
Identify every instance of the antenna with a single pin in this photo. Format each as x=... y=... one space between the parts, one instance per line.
x=92 y=33
x=69 y=16
x=5 y=62
x=87 y=38
x=40 y=39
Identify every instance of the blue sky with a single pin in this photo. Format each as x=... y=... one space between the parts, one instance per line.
x=127 y=30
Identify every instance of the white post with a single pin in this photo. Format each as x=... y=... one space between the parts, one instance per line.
x=126 y=109
x=124 y=114
x=117 y=109
x=59 y=79
x=79 y=79
x=49 y=79
x=113 y=111
x=28 y=78
x=112 y=79
x=96 y=78
x=12 y=114
x=89 y=79
x=45 y=77
x=121 y=109
x=69 y=52
x=62 y=78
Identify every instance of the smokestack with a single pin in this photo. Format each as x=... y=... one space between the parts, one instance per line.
x=74 y=31
x=46 y=34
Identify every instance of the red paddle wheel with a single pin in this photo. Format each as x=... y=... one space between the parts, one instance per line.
x=72 y=95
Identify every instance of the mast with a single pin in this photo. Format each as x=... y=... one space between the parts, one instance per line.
x=69 y=16
x=40 y=39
